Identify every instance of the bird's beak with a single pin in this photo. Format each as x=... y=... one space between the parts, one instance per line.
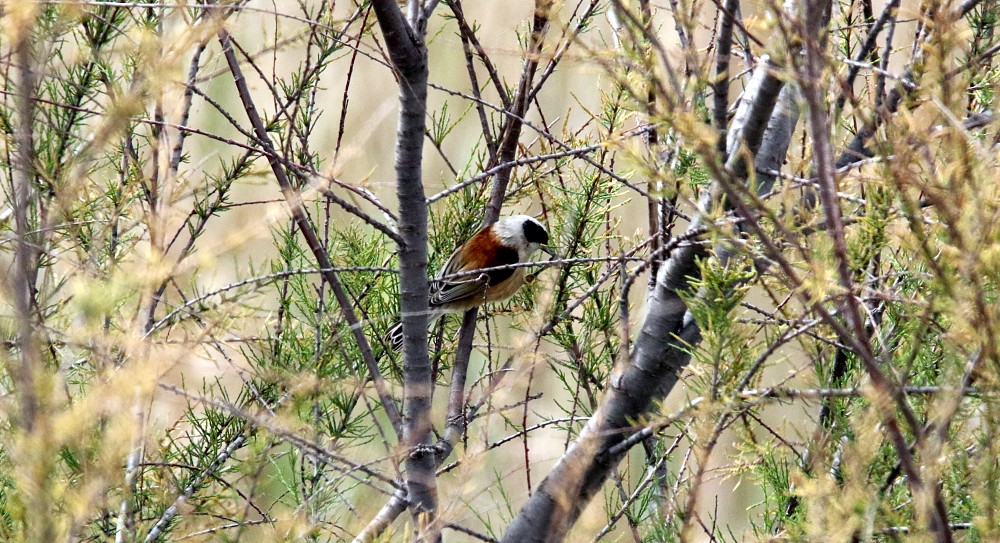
x=548 y=250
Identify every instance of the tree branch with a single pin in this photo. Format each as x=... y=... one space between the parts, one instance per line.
x=661 y=351
x=409 y=58
x=312 y=240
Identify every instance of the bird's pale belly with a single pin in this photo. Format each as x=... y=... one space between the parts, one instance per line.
x=505 y=289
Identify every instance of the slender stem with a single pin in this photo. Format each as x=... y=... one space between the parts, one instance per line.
x=312 y=240
x=409 y=59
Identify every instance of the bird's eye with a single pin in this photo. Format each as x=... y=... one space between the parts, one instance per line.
x=534 y=233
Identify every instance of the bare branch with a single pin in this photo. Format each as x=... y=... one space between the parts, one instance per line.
x=319 y=251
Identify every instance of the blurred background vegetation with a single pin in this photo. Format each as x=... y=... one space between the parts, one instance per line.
x=177 y=368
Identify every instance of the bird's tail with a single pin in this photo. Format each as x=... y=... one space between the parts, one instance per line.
x=394 y=335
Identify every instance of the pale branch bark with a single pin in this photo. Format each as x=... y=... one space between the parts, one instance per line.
x=569 y=487
x=661 y=351
x=407 y=51
x=777 y=137
x=661 y=210
x=168 y=515
x=720 y=88
x=896 y=530
x=26 y=250
x=750 y=132
x=672 y=349
x=27 y=369
x=408 y=54
x=752 y=118
x=456 y=421
x=125 y=525
x=312 y=240
x=384 y=518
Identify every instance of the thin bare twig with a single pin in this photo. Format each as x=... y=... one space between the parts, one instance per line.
x=317 y=248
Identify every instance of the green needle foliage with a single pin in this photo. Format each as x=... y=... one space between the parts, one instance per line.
x=178 y=366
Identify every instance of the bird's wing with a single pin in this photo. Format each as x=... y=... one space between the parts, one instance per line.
x=446 y=291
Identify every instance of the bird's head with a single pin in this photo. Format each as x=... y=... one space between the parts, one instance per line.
x=523 y=233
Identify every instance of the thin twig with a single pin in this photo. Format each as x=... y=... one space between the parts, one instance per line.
x=319 y=251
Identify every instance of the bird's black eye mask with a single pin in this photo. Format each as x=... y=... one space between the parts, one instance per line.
x=534 y=233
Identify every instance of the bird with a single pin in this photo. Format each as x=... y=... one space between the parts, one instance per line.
x=511 y=240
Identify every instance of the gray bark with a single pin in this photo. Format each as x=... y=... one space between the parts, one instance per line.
x=409 y=59
x=660 y=353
